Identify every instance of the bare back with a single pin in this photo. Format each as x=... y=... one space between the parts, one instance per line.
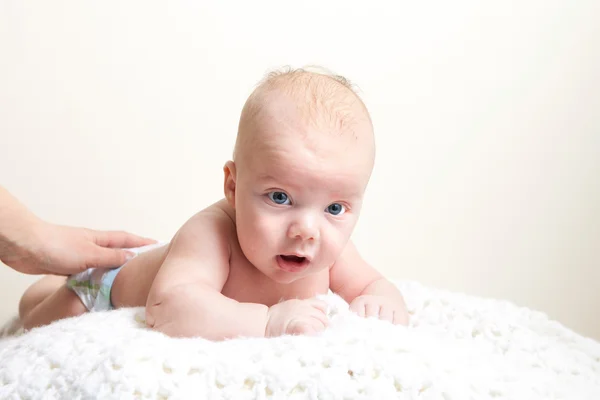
x=245 y=283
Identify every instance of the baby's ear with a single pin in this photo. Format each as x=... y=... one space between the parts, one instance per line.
x=229 y=184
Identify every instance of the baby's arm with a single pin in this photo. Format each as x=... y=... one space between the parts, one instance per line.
x=185 y=298
x=367 y=291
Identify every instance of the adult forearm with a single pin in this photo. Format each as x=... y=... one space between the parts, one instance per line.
x=16 y=224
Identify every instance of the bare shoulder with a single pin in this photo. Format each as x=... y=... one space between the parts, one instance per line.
x=216 y=219
x=200 y=251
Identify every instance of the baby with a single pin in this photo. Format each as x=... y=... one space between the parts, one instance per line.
x=253 y=263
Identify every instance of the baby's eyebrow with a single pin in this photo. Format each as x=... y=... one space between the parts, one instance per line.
x=266 y=177
x=342 y=192
x=351 y=197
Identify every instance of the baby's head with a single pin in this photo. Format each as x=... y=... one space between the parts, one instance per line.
x=302 y=160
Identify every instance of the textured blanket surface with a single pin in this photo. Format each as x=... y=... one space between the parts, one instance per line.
x=457 y=347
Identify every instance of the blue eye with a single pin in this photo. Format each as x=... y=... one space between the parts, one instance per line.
x=279 y=198
x=336 y=209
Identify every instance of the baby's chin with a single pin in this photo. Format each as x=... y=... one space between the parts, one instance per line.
x=283 y=277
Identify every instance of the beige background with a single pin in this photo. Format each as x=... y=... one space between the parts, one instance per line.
x=121 y=115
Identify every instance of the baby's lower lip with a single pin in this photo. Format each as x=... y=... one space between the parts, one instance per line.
x=292 y=266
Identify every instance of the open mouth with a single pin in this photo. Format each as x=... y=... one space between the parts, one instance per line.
x=292 y=263
x=293 y=259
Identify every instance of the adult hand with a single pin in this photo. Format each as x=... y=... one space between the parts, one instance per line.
x=46 y=248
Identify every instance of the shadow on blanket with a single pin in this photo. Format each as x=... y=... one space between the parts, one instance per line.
x=457 y=347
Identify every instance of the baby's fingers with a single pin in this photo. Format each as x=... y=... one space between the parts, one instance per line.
x=358 y=307
x=400 y=317
x=297 y=327
x=386 y=314
x=308 y=326
x=319 y=305
x=320 y=317
x=372 y=310
x=315 y=326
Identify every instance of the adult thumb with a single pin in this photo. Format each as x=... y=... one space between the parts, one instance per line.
x=108 y=258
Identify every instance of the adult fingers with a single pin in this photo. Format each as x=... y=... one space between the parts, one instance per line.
x=102 y=257
x=118 y=239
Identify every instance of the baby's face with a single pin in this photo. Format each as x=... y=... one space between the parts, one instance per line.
x=298 y=197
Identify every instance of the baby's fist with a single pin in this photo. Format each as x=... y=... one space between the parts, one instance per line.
x=296 y=317
x=381 y=307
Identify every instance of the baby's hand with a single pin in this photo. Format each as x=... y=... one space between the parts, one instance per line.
x=381 y=307
x=296 y=317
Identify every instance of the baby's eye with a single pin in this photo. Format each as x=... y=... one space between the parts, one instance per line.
x=336 y=209
x=279 y=198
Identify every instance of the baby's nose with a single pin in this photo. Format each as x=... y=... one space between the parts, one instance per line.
x=304 y=228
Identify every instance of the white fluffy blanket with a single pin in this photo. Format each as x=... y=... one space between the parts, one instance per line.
x=457 y=347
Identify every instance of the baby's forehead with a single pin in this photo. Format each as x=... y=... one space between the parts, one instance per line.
x=280 y=130
x=334 y=168
x=316 y=101
x=320 y=111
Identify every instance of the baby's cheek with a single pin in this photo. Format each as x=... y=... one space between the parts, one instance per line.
x=333 y=244
x=250 y=236
x=266 y=230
